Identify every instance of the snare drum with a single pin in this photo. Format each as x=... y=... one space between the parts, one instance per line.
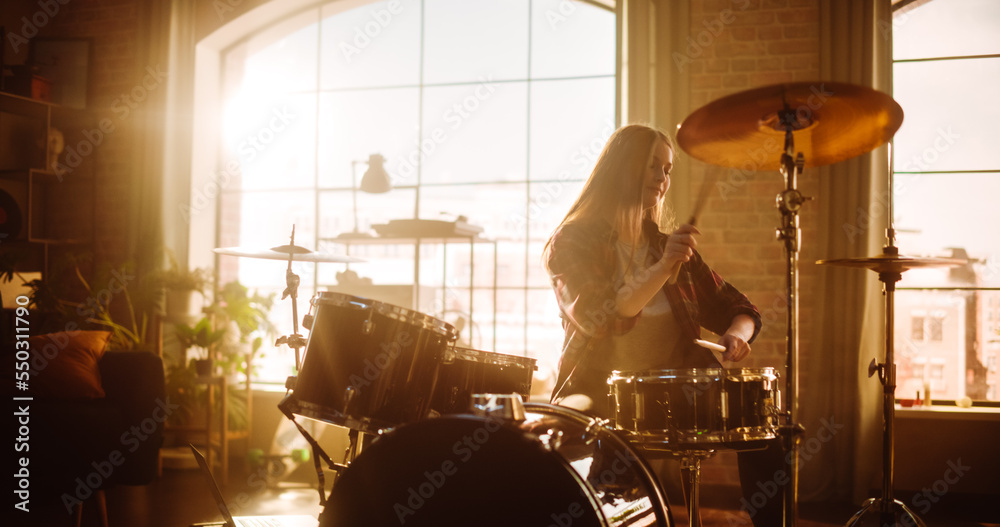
x=368 y=365
x=696 y=408
x=474 y=371
x=556 y=467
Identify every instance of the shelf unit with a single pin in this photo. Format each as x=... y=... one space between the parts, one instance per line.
x=56 y=202
x=417 y=241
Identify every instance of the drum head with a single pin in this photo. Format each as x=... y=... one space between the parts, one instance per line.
x=459 y=470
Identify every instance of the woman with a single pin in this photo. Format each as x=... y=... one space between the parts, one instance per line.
x=610 y=266
x=634 y=298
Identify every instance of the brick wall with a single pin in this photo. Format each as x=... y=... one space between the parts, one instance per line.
x=114 y=71
x=752 y=43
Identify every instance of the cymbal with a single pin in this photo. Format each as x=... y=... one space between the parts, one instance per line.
x=281 y=252
x=893 y=263
x=833 y=121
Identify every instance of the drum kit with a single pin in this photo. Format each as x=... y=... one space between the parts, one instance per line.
x=446 y=436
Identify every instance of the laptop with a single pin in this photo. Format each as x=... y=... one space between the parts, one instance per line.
x=301 y=520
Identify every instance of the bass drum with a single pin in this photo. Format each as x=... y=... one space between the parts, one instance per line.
x=558 y=467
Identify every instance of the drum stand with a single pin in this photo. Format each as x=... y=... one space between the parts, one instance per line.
x=691 y=469
x=295 y=340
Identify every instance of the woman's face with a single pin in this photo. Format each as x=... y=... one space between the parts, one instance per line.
x=657 y=178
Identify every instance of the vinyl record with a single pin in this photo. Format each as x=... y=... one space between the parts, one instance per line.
x=10 y=217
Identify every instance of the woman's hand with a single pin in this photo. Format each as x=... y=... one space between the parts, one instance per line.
x=680 y=246
x=735 y=338
x=736 y=348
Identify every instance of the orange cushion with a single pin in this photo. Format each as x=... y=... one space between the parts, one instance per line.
x=64 y=364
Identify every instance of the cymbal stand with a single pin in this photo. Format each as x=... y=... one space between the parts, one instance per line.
x=295 y=340
x=886 y=505
x=789 y=201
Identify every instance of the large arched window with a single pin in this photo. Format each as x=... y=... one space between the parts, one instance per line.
x=492 y=110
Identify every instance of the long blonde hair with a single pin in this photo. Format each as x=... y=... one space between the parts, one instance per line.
x=615 y=187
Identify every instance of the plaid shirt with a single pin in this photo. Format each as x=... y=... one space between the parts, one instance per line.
x=583 y=267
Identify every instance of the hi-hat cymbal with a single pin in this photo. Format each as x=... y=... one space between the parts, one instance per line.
x=282 y=251
x=832 y=122
x=893 y=263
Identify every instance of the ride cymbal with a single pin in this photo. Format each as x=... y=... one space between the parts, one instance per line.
x=283 y=251
x=830 y=122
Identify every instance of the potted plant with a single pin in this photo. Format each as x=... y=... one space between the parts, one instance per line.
x=201 y=335
x=179 y=286
x=245 y=313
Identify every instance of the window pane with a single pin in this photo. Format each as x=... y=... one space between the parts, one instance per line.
x=954 y=354
x=274 y=140
x=545 y=334
x=571 y=39
x=492 y=207
x=280 y=59
x=474 y=41
x=933 y=29
x=371 y=46
x=951 y=113
x=475 y=132
x=565 y=142
x=511 y=321
x=355 y=124
x=549 y=204
x=267 y=220
x=938 y=215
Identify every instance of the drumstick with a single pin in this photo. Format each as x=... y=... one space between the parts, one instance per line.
x=710 y=345
x=706 y=189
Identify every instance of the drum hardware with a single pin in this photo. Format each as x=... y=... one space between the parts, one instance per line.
x=890 y=267
x=833 y=122
x=508 y=407
x=691 y=467
x=291 y=252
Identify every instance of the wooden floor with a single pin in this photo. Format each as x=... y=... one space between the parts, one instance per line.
x=181 y=498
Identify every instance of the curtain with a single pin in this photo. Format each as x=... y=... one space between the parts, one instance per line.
x=854 y=48
x=144 y=230
x=176 y=193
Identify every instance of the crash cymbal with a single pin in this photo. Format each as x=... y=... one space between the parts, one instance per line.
x=832 y=122
x=281 y=253
x=893 y=263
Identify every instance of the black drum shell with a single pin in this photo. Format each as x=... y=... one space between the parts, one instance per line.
x=369 y=365
x=699 y=408
x=474 y=371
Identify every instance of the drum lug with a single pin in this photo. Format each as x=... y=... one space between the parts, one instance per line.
x=639 y=402
x=368 y=327
x=349 y=394
x=307 y=321
x=551 y=440
x=594 y=429
x=449 y=355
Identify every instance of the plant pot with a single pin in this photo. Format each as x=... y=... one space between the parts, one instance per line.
x=203 y=367
x=179 y=304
